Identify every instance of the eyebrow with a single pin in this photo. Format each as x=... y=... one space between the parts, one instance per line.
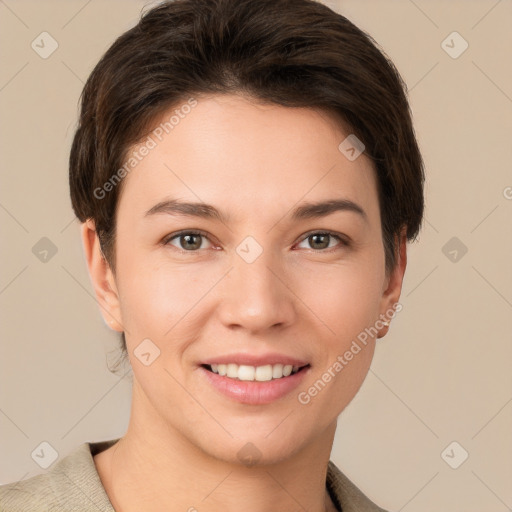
x=309 y=210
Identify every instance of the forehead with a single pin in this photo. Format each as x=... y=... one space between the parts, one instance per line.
x=229 y=150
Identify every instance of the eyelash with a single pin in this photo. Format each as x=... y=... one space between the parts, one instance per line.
x=344 y=242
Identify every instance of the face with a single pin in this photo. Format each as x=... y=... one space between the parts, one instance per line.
x=259 y=278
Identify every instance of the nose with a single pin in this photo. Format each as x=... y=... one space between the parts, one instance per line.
x=256 y=296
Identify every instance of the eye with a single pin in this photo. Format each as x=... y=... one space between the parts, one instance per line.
x=192 y=241
x=321 y=240
x=187 y=241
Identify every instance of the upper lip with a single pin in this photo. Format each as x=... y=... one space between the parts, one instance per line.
x=255 y=360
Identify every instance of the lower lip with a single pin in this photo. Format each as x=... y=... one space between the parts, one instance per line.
x=254 y=392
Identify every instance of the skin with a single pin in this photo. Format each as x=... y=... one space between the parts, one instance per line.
x=255 y=163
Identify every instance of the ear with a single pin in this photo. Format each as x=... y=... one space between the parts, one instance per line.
x=102 y=277
x=393 y=285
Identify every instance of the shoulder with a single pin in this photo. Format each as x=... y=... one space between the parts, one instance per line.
x=346 y=495
x=71 y=484
x=31 y=494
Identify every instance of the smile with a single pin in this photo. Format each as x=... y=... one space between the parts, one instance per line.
x=254 y=373
x=254 y=385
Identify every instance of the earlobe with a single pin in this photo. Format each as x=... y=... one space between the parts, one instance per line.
x=391 y=294
x=102 y=277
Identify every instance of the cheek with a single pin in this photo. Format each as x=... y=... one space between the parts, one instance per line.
x=145 y=300
x=147 y=296
x=346 y=309
x=345 y=298
x=157 y=296
x=160 y=300
x=344 y=301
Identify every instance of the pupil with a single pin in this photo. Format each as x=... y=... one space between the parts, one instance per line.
x=323 y=245
x=192 y=245
x=315 y=238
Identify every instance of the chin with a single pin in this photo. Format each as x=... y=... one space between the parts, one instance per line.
x=252 y=451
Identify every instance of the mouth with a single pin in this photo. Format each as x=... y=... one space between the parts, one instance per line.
x=254 y=385
x=264 y=373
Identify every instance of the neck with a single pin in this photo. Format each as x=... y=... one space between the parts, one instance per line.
x=155 y=467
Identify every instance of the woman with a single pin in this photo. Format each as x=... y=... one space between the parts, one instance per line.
x=247 y=177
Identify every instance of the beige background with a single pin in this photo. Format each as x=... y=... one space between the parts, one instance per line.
x=442 y=374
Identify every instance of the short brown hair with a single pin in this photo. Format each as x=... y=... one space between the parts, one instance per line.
x=294 y=53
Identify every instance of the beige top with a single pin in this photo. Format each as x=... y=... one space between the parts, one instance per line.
x=73 y=485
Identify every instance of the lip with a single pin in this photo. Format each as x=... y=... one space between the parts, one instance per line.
x=254 y=392
x=255 y=360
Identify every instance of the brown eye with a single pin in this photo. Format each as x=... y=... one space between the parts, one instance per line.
x=189 y=241
x=319 y=241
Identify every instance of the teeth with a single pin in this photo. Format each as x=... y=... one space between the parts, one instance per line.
x=263 y=373
x=277 y=371
x=254 y=373
x=244 y=372
x=232 y=371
